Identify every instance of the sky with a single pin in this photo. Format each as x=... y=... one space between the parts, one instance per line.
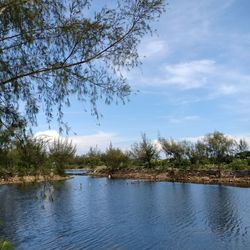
x=194 y=79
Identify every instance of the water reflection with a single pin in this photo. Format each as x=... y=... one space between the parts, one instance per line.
x=94 y=213
x=222 y=212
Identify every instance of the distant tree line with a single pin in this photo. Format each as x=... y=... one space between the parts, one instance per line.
x=213 y=151
x=24 y=154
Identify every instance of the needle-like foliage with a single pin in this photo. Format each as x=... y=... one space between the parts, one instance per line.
x=52 y=50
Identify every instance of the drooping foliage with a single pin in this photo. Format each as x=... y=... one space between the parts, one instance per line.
x=53 y=50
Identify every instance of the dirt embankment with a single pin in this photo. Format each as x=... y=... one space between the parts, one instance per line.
x=232 y=178
x=30 y=179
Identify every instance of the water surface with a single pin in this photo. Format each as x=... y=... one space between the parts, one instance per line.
x=98 y=213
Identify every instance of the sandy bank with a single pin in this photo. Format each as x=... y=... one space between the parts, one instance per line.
x=30 y=179
x=236 y=178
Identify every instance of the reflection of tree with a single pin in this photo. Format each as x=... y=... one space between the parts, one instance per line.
x=23 y=216
x=221 y=210
x=7 y=211
x=62 y=198
x=58 y=212
x=16 y=203
x=184 y=209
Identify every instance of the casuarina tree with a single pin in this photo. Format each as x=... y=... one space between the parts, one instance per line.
x=51 y=50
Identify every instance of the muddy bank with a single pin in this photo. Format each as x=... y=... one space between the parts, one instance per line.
x=30 y=179
x=232 y=178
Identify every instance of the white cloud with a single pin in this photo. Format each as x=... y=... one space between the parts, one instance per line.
x=47 y=135
x=84 y=142
x=189 y=75
x=155 y=48
x=180 y=120
x=198 y=81
x=157 y=144
x=246 y=137
x=100 y=139
x=217 y=79
x=227 y=89
x=186 y=75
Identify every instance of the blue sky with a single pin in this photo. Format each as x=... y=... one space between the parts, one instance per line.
x=195 y=78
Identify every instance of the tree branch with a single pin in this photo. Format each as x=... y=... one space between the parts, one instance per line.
x=63 y=66
x=5 y=6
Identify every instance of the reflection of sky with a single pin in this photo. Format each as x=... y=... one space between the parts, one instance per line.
x=194 y=79
x=97 y=212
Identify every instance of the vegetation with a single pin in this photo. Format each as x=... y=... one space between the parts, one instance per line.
x=5 y=245
x=52 y=50
x=214 y=151
x=174 y=151
x=144 y=152
x=32 y=156
x=60 y=153
x=115 y=158
x=27 y=155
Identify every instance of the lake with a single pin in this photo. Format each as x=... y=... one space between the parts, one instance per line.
x=101 y=213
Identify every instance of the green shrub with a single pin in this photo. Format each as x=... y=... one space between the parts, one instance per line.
x=238 y=164
x=61 y=152
x=145 y=152
x=114 y=158
x=5 y=245
x=28 y=155
x=94 y=157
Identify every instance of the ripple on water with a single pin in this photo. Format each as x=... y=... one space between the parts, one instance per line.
x=99 y=213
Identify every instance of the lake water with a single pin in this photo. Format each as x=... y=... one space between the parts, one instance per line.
x=98 y=213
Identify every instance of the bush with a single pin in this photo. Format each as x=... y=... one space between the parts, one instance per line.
x=61 y=152
x=163 y=165
x=5 y=245
x=94 y=158
x=238 y=164
x=114 y=158
x=145 y=152
x=29 y=155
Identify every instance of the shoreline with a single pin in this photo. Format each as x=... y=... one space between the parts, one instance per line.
x=196 y=177
x=32 y=179
x=228 y=178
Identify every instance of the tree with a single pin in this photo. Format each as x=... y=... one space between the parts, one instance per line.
x=94 y=157
x=52 y=50
x=61 y=152
x=114 y=158
x=145 y=151
x=173 y=150
x=30 y=154
x=219 y=146
x=200 y=153
x=16 y=148
x=242 y=146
